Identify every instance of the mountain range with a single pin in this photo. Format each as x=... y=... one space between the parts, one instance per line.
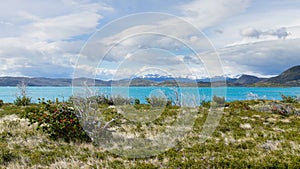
x=288 y=78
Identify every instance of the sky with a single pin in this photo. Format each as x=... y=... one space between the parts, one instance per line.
x=115 y=39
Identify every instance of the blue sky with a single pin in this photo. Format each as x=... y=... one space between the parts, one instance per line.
x=46 y=38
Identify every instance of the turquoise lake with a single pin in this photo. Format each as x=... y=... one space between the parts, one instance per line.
x=8 y=94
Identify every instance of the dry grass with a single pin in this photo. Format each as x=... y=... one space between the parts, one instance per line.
x=244 y=138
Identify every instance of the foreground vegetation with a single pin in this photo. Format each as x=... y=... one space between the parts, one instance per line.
x=251 y=134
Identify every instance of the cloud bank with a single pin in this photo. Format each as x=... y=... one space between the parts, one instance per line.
x=44 y=38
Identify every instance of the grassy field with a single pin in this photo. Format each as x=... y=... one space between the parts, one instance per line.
x=250 y=135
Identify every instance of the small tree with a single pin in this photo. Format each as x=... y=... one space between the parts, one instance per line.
x=22 y=98
x=86 y=108
x=175 y=97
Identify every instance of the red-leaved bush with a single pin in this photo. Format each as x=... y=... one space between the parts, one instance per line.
x=59 y=121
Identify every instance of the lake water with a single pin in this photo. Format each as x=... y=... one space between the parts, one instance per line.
x=8 y=94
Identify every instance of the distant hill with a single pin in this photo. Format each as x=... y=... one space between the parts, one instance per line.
x=291 y=74
x=290 y=77
x=133 y=82
x=14 y=81
x=245 y=80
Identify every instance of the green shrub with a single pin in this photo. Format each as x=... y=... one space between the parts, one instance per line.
x=157 y=101
x=205 y=104
x=6 y=156
x=143 y=165
x=238 y=105
x=59 y=121
x=119 y=100
x=104 y=100
x=1 y=103
x=289 y=99
x=137 y=101
x=22 y=101
x=219 y=100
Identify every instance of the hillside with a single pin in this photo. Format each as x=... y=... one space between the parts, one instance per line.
x=247 y=80
x=291 y=74
x=290 y=77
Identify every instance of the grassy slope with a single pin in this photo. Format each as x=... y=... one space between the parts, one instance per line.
x=244 y=138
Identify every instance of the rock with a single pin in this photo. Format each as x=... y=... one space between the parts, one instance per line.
x=270 y=145
x=246 y=126
x=285 y=120
x=276 y=107
x=271 y=120
x=283 y=109
x=111 y=107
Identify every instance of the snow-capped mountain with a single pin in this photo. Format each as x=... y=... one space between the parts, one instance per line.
x=162 y=78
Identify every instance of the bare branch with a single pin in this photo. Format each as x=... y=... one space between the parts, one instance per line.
x=107 y=124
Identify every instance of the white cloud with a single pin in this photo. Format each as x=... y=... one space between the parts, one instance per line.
x=259 y=16
x=251 y=32
x=64 y=27
x=261 y=58
x=43 y=38
x=203 y=13
x=129 y=35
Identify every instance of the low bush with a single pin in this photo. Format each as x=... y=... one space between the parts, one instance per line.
x=158 y=102
x=6 y=156
x=59 y=121
x=205 y=104
x=22 y=101
x=289 y=99
x=119 y=100
x=219 y=100
x=103 y=100
x=137 y=101
x=1 y=103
